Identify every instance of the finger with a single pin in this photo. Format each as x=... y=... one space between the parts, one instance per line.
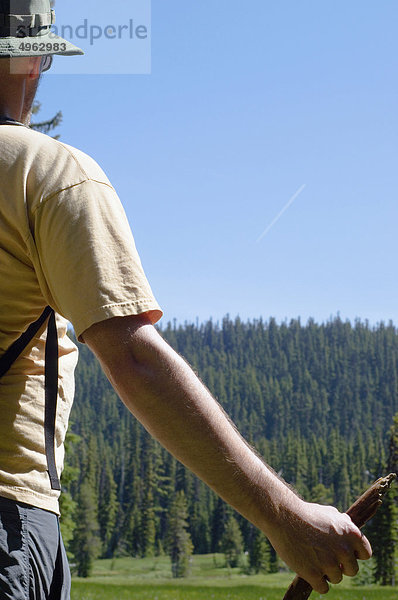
x=350 y=566
x=321 y=586
x=334 y=574
x=318 y=583
x=349 y=558
x=364 y=549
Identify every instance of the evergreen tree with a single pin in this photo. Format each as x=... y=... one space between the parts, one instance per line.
x=383 y=536
x=150 y=456
x=179 y=541
x=219 y=520
x=199 y=518
x=148 y=525
x=321 y=494
x=85 y=544
x=47 y=125
x=273 y=561
x=393 y=448
x=259 y=554
x=384 y=527
x=107 y=509
x=67 y=504
x=232 y=542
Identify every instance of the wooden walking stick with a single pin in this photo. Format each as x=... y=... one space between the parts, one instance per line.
x=360 y=512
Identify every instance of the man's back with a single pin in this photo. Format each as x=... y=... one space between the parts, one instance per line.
x=60 y=221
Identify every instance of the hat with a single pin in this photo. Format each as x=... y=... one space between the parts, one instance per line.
x=25 y=30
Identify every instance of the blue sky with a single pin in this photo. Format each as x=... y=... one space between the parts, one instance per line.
x=245 y=104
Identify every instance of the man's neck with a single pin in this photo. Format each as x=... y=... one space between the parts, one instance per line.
x=10 y=112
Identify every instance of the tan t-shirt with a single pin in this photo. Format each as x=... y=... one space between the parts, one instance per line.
x=64 y=241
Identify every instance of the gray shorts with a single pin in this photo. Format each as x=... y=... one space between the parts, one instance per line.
x=33 y=563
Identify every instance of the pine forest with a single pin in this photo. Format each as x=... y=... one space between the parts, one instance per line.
x=317 y=401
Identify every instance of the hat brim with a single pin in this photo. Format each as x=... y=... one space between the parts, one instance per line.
x=40 y=45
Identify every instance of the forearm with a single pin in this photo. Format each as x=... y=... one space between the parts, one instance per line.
x=162 y=391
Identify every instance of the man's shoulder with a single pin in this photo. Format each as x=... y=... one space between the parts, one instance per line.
x=49 y=159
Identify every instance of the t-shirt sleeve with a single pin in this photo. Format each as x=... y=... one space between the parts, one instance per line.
x=85 y=257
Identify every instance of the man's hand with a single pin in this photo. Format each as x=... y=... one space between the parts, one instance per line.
x=161 y=390
x=320 y=544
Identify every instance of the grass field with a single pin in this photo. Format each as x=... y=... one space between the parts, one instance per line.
x=150 y=579
x=96 y=591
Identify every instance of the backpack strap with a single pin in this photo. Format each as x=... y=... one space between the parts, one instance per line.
x=11 y=355
x=51 y=396
x=50 y=381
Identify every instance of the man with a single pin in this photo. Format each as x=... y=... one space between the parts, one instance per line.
x=65 y=242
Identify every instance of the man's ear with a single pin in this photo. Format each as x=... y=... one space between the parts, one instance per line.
x=34 y=67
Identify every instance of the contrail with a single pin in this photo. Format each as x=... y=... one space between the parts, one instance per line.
x=284 y=209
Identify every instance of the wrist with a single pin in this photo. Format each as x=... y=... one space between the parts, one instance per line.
x=275 y=503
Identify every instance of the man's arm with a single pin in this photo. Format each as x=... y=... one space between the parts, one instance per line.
x=164 y=394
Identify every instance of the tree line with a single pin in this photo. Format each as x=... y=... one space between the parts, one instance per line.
x=317 y=401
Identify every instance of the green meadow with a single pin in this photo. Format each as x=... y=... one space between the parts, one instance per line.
x=150 y=579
